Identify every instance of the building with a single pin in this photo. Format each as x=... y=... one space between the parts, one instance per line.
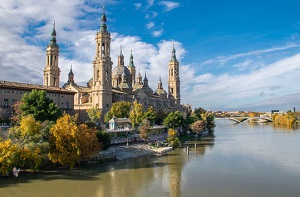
x=11 y=92
x=108 y=85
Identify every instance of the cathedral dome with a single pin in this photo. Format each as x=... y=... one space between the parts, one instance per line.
x=119 y=70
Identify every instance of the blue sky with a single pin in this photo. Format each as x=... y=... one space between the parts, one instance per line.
x=234 y=55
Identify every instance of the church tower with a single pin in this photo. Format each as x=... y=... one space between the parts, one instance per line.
x=52 y=71
x=174 y=81
x=102 y=69
x=131 y=68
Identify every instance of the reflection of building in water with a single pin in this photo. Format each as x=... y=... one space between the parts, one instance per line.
x=127 y=178
x=175 y=167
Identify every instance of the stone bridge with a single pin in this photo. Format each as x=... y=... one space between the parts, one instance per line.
x=252 y=119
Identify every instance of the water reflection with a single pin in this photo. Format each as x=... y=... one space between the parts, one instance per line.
x=236 y=160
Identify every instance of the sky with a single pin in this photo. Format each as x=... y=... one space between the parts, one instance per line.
x=233 y=54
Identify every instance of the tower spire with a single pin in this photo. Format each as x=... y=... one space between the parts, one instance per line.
x=173 y=54
x=103 y=27
x=53 y=36
x=131 y=64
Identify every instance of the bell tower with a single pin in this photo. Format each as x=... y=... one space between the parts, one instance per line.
x=174 y=81
x=102 y=69
x=52 y=71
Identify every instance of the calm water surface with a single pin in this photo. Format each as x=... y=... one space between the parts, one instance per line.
x=240 y=160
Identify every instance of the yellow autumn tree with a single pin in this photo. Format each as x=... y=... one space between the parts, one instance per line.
x=8 y=156
x=63 y=141
x=87 y=142
x=70 y=143
x=29 y=126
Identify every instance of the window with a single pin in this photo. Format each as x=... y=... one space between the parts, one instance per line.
x=6 y=102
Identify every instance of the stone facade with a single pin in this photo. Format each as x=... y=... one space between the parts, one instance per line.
x=11 y=92
x=121 y=84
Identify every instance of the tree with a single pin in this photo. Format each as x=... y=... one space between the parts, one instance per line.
x=160 y=116
x=136 y=114
x=173 y=120
x=118 y=109
x=32 y=148
x=29 y=126
x=63 y=142
x=199 y=111
x=8 y=156
x=173 y=138
x=150 y=115
x=198 y=126
x=104 y=139
x=210 y=122
x=39 y=105
x=70 y=143
x=94 y=114
x=87 y=142
x=144 y=129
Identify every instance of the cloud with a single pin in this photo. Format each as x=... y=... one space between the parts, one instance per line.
x=151 y=15
x=225 y=59
x=169 y=5
x=150 y=4
x=157 y=33
x=243 y=65
x=138 y=5
x=150 y=25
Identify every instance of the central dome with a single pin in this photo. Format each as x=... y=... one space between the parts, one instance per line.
x=119 y=70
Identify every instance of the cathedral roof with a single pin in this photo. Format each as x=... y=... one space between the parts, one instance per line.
x=160 y=91
x=119 y=70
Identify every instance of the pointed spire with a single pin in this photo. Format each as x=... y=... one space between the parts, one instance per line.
x=131 y=60
x=173 y=54
x=145 y=76
x=71 y=76
x=53 y=36
x=103 y=27
x=159 y=83
x=121 y=50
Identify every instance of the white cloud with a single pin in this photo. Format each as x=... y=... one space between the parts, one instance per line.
x=151 y=15
x=157 y=33
x=169 y=5
x=150 y=4
x=225 y=59
x=25 y=38
x=138 y=5
x=150 y=25
x=243 y=65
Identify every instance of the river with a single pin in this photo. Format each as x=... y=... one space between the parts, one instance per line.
x=239 y=160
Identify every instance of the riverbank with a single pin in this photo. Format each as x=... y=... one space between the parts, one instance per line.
x=134 y=150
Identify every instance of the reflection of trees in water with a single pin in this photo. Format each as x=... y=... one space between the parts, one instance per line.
x=284 y=128
x=127 y=177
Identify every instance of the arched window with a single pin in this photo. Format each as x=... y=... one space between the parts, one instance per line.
x=103 y=49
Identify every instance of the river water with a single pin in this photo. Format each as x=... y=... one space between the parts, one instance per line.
x=238 y=160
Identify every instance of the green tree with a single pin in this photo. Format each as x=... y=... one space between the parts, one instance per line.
x=160 y=116
x=104 y=139
x=94 y=114
x=198 y=112
x=136 y=114
x=150 y=115
x=118 y=109
x=173 y=120
x=39 y=105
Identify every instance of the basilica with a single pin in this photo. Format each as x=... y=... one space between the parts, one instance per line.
x=121 y=83
x=107 y=84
